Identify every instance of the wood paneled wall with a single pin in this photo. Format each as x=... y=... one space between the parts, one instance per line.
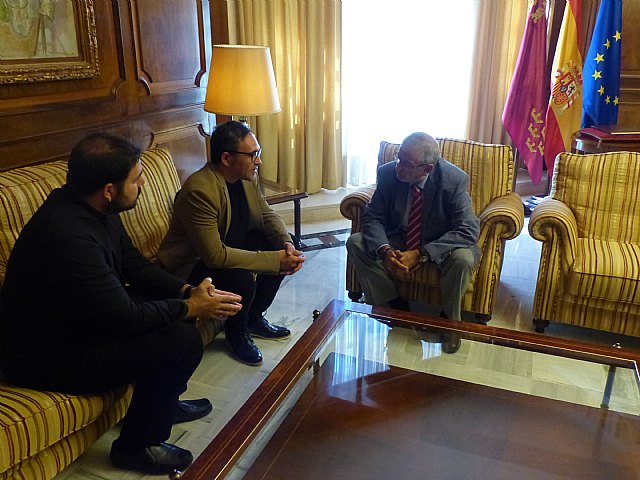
x=153 y=55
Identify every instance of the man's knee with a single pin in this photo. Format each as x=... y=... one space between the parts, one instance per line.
x=355 y=244
x=186 y=338
x=239 y=281
x=462 y=260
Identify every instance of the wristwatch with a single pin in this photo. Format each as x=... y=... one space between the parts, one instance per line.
x=382 y=252
x=424 y=255
x=187 y=292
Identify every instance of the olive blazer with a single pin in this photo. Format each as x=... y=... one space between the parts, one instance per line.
x=201 y=220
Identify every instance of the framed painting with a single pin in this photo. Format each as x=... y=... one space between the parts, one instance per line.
x=42 y=40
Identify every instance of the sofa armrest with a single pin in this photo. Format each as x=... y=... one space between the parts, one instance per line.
x=352 y=205
x=506 y=211
x=553 y=219
x=554 y=224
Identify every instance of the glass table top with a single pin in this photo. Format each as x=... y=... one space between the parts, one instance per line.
x=384 y=364
x=368 y=346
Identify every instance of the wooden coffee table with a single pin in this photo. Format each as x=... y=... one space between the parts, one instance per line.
x=360 y=397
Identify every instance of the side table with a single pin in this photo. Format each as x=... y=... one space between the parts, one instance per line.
x=585 y=143
x=275 y=193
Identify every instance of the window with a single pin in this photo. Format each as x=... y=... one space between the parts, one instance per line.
x=406 y=66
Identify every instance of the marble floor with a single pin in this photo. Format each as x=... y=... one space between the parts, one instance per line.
x=228 y=383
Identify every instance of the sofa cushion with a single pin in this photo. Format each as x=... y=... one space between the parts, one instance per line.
x=493 y=164
x=602 y=191
x=606 y=270
x=32 y=421
x=22 y=191
x=148 y=223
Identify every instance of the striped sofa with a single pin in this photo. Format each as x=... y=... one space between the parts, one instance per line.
x=589 y=226
x=491 y=170
x=43 y=432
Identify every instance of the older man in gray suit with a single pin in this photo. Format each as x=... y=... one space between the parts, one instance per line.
x=448 y=228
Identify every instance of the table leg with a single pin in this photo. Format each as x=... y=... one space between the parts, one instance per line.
x=608 y=387
x=296 y=218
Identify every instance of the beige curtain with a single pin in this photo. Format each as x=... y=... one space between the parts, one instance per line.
x=301 y=144
x=500 y=29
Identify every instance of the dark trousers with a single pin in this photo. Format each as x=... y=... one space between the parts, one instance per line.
x=257 y=290
x=158 y=363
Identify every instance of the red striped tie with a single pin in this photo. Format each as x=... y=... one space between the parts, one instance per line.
x=414 y=225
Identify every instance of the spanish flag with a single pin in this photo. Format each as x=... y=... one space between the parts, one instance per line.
x=524 y=111
x=564 y=114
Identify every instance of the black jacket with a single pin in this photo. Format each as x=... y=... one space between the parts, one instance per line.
x=73 y=275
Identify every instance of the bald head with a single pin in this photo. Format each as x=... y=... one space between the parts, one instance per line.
x=423 y=145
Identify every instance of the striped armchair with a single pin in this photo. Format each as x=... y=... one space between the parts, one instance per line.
x=589 y=226
x=491 y=170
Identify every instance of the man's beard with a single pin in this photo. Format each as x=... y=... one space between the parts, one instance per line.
x=118 y=205
x=403 y=179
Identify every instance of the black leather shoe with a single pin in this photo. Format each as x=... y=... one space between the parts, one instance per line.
x=400 y=303
x=243 y=347
x=155 y=460
x=261 y=328
x=450 y=343
x=190 y=410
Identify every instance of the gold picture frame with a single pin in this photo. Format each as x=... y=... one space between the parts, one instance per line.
x=44 y=40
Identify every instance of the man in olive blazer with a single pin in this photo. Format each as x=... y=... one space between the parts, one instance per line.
x=223 y=228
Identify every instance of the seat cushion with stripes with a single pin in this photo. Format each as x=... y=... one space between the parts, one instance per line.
x=148 y=223
x=22 y=191
x=606 y=270
x=602 y=192
x=32 y=421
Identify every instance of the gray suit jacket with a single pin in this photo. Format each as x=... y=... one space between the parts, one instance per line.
x=447 y=218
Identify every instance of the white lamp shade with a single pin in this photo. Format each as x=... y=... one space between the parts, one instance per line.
x=241 y=81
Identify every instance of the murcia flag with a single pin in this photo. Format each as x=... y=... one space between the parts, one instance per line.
x=524 y=111
x=565 y=105
x=602 y=67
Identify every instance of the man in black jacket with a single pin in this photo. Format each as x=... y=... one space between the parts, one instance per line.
x=82 y=311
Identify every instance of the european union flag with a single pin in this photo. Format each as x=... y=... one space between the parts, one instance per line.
x=601 y=73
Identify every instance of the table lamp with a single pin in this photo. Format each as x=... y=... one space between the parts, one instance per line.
x=241 y=82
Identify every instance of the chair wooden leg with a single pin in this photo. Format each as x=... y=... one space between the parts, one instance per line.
x=482 y=318
x=540 y=325
x=355 y=296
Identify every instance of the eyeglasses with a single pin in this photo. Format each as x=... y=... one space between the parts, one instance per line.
x=253 y=155
x=401 y=163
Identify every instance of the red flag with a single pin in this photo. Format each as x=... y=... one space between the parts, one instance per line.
x=524 y=111
x=564 y=114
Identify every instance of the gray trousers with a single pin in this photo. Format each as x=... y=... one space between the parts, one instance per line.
x=379 y=288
